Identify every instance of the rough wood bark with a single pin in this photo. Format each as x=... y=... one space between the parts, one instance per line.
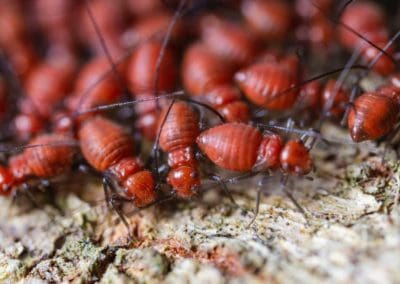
x=351 y=234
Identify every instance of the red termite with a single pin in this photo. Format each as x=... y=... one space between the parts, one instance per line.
x=94 y=86
x=110 y=21
x=45 y=88
x=263 y=84
x=270 y=20
x=49 y=156
x=209 y=78
x=141 y=70
x=374 y=114
x=315 y=27
x=109 y=149
x=14 y=38
x=369 y=20
x=54 y=18
x=241 y=147
x=273 y=82
x=228 y=40
x=180 y=128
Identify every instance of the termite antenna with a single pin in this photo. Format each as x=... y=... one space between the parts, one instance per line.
x=284 y=181
x=103 y=44
x=206 y=106
x=305 y=82
x=164 y=44
x=342 y=8
x=17 y=149
x=329 y=103
x=223 y=186
x=84 y=95
x=129 y=103
x=386 y=47
x=312 y=133
x=350 y=29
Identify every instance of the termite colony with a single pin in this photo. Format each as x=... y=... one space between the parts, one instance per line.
x=241 y=86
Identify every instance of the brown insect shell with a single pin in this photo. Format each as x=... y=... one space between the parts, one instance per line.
x=239 y=147
x=372 y=116
x=270 y=20
x=267 y=85
x=202 y=70
x=45 y=161
x=227 y=40
x=106 y=146
x=142 y=65
x=295 y=158
x=177 y=138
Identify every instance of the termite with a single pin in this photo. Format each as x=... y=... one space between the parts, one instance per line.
x=179 y=128
x=209 y=78
x=242 y=147
x=45 y=88
x=45 y=157
x=271 y=21
x=228 y=40
x=369 y=20
x=109 y=149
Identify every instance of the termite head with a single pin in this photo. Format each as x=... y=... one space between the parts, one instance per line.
x=295 y=158
x=137 y=184
x=184 y=180
x=141 y=187
x=268 y=153
x=7 y=181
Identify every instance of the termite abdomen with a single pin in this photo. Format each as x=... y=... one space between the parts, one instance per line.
x=372 y=116
x=141 y=71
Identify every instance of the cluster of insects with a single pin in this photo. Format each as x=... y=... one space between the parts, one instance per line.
x=241 y=86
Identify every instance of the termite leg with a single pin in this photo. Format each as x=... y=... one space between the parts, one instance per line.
x=354 y=92
x=257 y=208
x=114 y=202
x=223 y=187
x=292 y=198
